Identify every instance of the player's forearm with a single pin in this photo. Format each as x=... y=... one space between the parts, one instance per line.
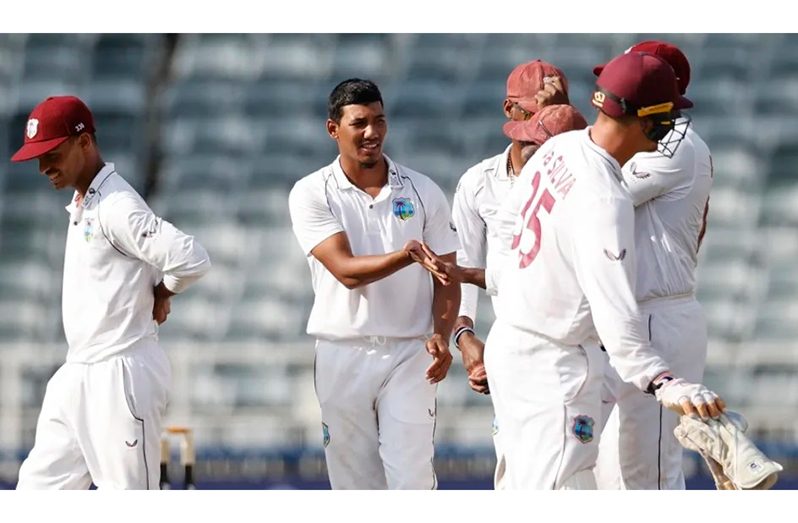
x=357 y=271
x=474 y=276
x=445 y=308
x=186 y=266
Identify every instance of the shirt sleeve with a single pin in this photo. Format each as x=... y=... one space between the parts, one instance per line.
x=506 y=216
x=604 y=262
x=311 y=217
x=471 y=231
x=651 y=175
x=136 y=231
x=439 y=231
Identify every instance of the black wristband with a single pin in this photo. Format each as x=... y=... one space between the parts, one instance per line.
x=655 y=385
x=462 y=330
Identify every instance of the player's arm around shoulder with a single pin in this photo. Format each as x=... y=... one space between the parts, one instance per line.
x=652 y=175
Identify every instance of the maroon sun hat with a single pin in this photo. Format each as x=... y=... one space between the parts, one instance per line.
x=51 y=123
x=549 y=121
x=528 y=78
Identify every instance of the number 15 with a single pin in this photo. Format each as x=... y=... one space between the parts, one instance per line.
x=546 y=202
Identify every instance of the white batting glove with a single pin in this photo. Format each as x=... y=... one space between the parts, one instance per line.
x=688 y=398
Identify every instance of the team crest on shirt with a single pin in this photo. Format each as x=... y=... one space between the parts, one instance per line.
x=88 y=229
x=583 y=428
x=403 y=208
x=325 y=430
x=32 y=128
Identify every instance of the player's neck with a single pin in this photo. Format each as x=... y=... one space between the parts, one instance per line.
x=514 y=161
x=610 y=136
x=368 y=178
x=84 y=180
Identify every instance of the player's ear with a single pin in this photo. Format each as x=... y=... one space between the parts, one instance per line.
x=332 y=128
x=508 y=108
x=84 y=140
x=645 y=125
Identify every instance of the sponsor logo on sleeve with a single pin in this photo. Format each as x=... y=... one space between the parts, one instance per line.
x=153 y=229
x=640 y=175
x=615 y=257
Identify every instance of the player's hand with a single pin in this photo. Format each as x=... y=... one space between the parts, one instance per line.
x=450 y=271
x=162 y=306
x=424 y=256
x=438 y=348
x=553 y=93
x=690 y=399
x=472 y=351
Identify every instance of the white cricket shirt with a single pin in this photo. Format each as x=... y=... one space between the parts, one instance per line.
x=117 y=251
x=670 y=195
x=571 y=270
x=480 y=193
x=410 y=207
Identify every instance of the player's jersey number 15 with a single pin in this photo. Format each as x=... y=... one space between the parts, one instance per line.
x=530 y=223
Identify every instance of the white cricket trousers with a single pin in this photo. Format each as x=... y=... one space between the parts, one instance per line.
x=101 y=422
x=378 y=413
x=638 y=449
x=547 y=399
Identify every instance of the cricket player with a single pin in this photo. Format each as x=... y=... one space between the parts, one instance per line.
x=569 y=281
x=102 y=413
x=480 y=193
x=530 y=87
x=484 y=186
x=670 y=190
x=381 y=322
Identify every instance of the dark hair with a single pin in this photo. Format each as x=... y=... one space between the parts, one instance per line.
x=352 y=91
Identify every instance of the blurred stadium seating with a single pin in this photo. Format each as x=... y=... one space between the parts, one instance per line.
x=213 y=130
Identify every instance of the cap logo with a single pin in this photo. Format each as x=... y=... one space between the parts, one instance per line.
x=598 y=99
x=32 y=128
x=79 y=127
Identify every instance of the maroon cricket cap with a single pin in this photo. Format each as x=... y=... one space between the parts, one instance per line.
x=670 y=53
x=527 y=79
x=51 y=123
x=639 y=84
x=549 y=121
